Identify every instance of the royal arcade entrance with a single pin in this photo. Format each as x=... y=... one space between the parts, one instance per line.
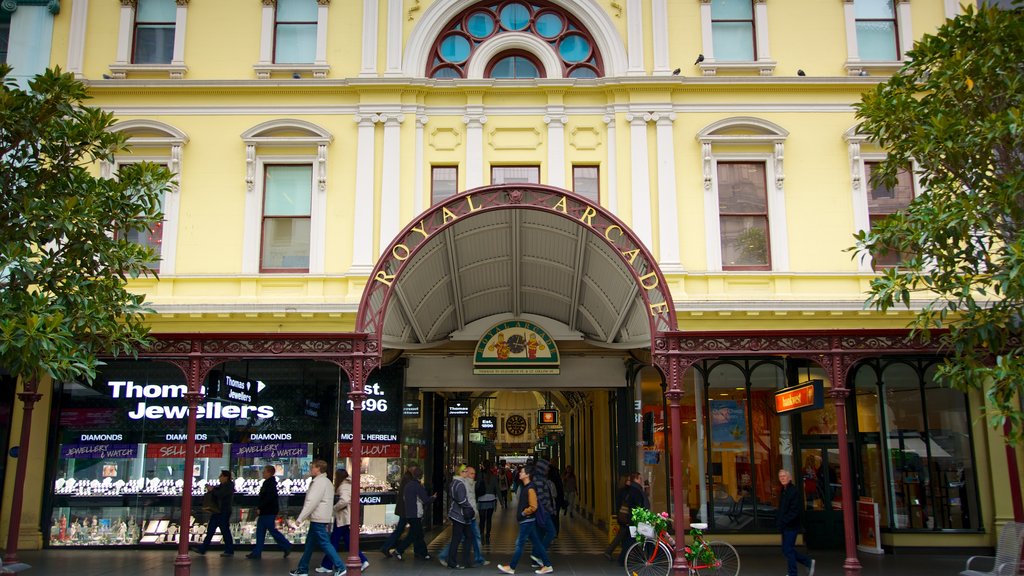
x=520 y=256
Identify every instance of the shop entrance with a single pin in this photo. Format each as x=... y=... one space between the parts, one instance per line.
x=821 y=482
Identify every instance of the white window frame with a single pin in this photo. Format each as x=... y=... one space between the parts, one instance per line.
x=263 y=136
x=167 y=150
x=266 y=67
x=764 y=65
x=715 y=148
x=123 y=66
x=904 y=41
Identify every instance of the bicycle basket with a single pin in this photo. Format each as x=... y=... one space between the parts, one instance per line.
x=646 y=530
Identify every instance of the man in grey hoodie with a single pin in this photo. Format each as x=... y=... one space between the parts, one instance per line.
x=468 y=477
x=461 y=513
x=319 y=508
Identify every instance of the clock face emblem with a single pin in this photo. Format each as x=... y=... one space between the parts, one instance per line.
x=515 y=425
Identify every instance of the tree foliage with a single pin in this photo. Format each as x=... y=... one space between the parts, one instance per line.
x=64 y=252
x=955 y=110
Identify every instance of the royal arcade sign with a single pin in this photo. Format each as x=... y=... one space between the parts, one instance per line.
x=536 y=197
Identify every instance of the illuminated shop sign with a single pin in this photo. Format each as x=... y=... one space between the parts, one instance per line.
x=372 y=450
x=210 y=410
x=488 y=423
x=99 y=451
x=271 y=450
x=178 y=451
x=547 y=417
x=368 y=437
x=382 y=407
x=516 y=347
x=807 y=396
x=458 y=408
x=411 y=409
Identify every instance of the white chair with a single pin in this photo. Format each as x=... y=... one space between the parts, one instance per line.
x=1007 y=558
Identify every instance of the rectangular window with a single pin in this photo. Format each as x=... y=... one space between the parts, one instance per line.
x=585 y=182
x=876 y=29
x=444 y=183
x=883 y=201
x=154 y=32
x=515 y=174
x=743 y=215
x=732 y=30
x=287 y=199
x=295 y=32
x=5 y=34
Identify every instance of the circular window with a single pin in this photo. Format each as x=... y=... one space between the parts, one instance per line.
x=480 y=24
x=514 y=67
x=574 y=48
x=515 y=17
x=582 y=72
x=549 y=25
x=447 y=73
x=455 y=48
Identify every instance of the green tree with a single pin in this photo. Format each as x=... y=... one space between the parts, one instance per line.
x=65 y=256
x=955 y=109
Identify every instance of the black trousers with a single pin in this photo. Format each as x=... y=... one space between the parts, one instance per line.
x=460 y=533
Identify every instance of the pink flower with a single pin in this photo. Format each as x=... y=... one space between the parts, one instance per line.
x=664 y=514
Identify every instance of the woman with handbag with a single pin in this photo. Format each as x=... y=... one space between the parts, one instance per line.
x=217 y=502
x=342 y=519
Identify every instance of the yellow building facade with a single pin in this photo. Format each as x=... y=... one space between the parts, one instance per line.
x=307 y=135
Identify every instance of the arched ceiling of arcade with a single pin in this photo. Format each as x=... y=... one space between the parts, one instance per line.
x=516 y=263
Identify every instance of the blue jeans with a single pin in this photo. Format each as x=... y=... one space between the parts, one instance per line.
x=318 y=536
x=474 y=530
x=528 y=531
x=219 y=521
x=264 y=524
x=547 y=531
x=340 y=535
x=790 y=552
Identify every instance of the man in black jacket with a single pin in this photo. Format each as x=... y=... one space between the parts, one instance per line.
x=788 y=521
x=267 y=520
x=631 y=494
x=403 y=517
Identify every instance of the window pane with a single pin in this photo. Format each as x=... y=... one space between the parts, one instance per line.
x=873 y=9
x=447 y=72
x=514 y=67
x=515 y=17
x=732 y=497
x=949 y=458
x=155 y=11
x=153 y=44
x=733 y=41
x=905 y=445
x=885 y=200
x=152 y=238
x=295 y=44
x=480 y=24
x=549 y=25
x=288 y=191
x=5 y=34
x=582 y=72
x=741 y=188
x=444 y=183
x=286 y=243
x=585 y=182
x=515 y=175
x=877 y=40
x=731 y=10
x=296 y=11
x=455 y=48
x=744 y=241
x=767 y=436
x=574 y=48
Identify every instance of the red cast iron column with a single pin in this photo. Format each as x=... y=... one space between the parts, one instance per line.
x=839 y=394
x=673 y=371
x=29 y=397
x=357 y=377
x=194 y=374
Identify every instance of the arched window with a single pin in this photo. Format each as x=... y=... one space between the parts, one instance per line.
x=517 y=64
x=549 y=24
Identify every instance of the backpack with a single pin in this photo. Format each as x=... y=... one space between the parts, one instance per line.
x=541 y=515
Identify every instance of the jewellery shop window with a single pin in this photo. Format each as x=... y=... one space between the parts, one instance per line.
x=382 y=463
x=121 y=448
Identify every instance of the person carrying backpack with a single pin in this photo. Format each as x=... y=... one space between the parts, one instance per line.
x=529 y=511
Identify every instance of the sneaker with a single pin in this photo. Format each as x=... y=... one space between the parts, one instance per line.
x=341 y=572
x=397 y=555
x=810 y=569
x=536 y=560
x=544 y=570
x=443 y=562
x=505 y=569
x=484 y=563
x=366 y=564
x=297 y=572
x=323 y=570
x=427 y=557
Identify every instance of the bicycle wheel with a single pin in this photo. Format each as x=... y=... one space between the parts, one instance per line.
x=727 y=560
x=648 y=558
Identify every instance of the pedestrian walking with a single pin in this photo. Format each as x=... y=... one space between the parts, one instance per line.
x=342 y=519
x=461 y=514
x=556 y=496
x=415 y=499
x=218 y=502
x=528 y=512
x=571 y=493
x=267 y=519
x=486 y=499
x=468 y=478
x=546 y=497
x=788 y=521
x=392 y=540
x=629 y=496
x=318 y=507
x=504 y=482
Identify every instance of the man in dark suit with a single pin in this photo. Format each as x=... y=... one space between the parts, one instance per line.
x=267 y=519
x=788 y=521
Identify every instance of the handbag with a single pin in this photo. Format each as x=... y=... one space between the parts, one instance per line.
x=210 y=503
x=625 y=514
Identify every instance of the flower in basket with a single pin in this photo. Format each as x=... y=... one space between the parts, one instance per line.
x=656 y=523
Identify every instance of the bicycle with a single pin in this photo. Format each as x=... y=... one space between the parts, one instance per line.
x=652 y=555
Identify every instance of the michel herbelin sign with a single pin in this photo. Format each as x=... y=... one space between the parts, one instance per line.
x=516 y=347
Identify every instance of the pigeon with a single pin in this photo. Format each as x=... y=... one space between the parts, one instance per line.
x=700 y=58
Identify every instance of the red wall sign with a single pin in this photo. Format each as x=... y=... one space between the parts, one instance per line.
x=807 y=396
x=372 y=450
x=178 y=451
